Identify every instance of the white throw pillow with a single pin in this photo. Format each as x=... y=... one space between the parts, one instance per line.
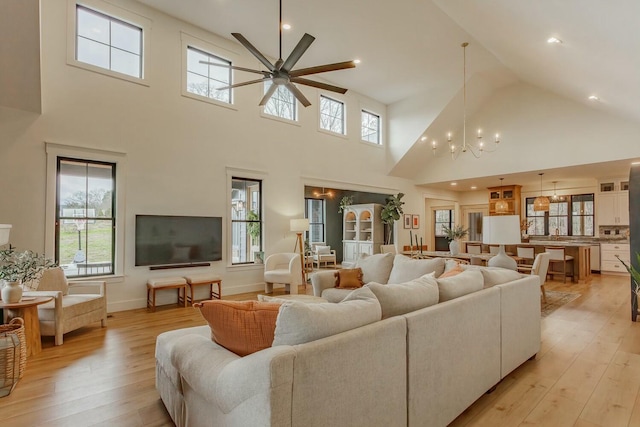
x=397 y=299
x=406 y=269
x=375 y=268
x=495 y=275
x=298 y=322
x=323 y=250
x=461 y=284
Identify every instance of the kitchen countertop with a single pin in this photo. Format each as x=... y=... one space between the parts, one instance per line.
x=578 y=242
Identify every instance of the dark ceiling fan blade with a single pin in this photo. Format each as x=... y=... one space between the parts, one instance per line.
x=253 y=50
x=250 y=82
x=322 y=68
x=297 y=52
x=296 y=92
x=319 y=85
x=268 y=95
x=233 y=67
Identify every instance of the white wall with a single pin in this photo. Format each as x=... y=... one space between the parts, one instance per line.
x=177 y=149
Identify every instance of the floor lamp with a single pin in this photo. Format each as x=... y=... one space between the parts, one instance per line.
x=299 y=226
x=501 y=230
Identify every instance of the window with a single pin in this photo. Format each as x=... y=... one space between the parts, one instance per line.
x=85 y=217
x=370 y=127
x=246 y=219
x=315 y=212
x=573 y=216
x=106 y=42
x=332 y=115
x=443 y=218
x=281 y=104
x=203 y=79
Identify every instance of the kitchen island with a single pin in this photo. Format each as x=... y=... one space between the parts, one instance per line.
x=580 y=251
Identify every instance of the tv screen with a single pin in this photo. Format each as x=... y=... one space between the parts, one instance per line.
x=166 y=240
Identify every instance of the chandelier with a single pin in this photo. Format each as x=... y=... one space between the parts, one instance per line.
x=476 y=147
x=502 y=207
x=541 y=203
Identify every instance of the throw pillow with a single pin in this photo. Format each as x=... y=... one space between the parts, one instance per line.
x=495 y=275
x=453 y=272
x=348 y=278
x=242 y=327
x=406 y=269
x=462 y=284
x=397 y=299
x=375 y=268
x=298 y=323
x=450 y=264
x=321 y=250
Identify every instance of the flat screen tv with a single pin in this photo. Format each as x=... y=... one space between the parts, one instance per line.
x=170 y=240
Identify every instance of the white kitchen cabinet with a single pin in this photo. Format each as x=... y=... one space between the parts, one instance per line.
x=609 y=253
x=613 y=208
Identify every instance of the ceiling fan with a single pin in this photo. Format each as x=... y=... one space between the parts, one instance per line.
x=281 y=73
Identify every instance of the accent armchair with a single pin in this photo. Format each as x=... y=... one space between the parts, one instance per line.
x=323 y=254
x=74 y=304
x=283 y=268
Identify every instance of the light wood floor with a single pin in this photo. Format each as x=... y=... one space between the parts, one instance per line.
x=587 y=373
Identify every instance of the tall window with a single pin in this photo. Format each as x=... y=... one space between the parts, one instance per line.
x=573 y=216
x=370 y=127
x=281 y=104
x=204 y=79
x=108 y=43
x=85 y=217
x=332 y=115
x=315 y=212
x=443 y=218
x=246 y=219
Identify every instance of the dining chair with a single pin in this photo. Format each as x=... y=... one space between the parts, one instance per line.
x=539 y=268
x=494 y=249
x=558 y=257
x=474 y=248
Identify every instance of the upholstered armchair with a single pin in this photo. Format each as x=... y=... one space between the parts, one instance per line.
x=74 y=304
x=283 y=268
x=323 y=254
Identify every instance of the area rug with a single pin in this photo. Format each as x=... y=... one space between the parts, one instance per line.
x=555 y=300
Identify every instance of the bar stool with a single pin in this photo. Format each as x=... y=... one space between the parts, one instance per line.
x=474 y=248
x=527 y=253
x=557 y=256
x=154 y=285
x=194 y=280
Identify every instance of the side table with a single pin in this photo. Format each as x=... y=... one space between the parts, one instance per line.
x=28 y=310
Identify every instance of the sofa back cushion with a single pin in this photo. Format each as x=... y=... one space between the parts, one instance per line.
x=406 y=269
x=242 y=327
x=53 y=279
x=298 y=322
x=461 y=284
x=375 y=268
x=397 y=299
x=495 y=275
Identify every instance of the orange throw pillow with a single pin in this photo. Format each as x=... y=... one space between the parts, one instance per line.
x=453 y=272
x=349 y=278
x=242 y=327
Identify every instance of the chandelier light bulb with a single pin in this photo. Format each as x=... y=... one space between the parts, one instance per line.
x=449 y=137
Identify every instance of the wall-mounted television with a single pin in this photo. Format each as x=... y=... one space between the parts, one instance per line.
x=177 y=240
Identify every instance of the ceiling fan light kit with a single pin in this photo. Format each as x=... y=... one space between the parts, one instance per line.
x=281 y=73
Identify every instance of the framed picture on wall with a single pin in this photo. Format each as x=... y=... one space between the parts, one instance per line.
x=407 y=220
x=415 y=221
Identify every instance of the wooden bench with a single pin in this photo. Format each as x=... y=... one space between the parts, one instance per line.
x=154 y=285
x=194 y=280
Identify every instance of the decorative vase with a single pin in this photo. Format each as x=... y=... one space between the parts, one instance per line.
x=11 y=292
x=454 y=247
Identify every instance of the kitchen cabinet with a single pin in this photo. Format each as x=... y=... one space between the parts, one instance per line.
x=506 y=193
x=362 y=231
x=609 y=262
x=613 y=208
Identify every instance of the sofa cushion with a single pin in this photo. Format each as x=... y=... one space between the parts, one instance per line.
x=495 y=275
x=242 y=327
x=335 y=294
x=406 y=269
x=298 y=323
x=397 y=299
x=375 y=268
x=349 y=278
x=462 y=284
x=72 y=305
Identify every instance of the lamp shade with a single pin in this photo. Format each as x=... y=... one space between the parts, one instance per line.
x=4 y=233
x=299 y=225
x=541 y=204
x=501 y=230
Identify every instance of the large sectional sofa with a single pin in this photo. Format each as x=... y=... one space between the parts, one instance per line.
x=420 y=368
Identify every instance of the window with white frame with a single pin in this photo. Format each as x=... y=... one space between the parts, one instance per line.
x=281 y=104
x=370 y=127
x=246 y=219
x=107 y=42
x=316 y=213
x=205 y=79
x=332 y=115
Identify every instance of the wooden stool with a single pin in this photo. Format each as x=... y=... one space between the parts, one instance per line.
x=204 y=279
x=166 y=283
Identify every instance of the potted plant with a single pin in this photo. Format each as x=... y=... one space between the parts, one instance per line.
x=454 y=234
x=345 y=202
x=17 y=268
x=635 y=287
x=392 y=212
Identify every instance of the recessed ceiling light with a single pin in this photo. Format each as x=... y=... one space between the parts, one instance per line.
x=554 y=40
x=594 y=98
x=356 y=61
x=424 y=138
x=473 y=187
x=454 y=183
x=286 y=26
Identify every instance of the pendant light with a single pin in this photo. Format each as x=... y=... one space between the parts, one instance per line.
x=541 y=203
x=502 y=207
x=555 y=197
